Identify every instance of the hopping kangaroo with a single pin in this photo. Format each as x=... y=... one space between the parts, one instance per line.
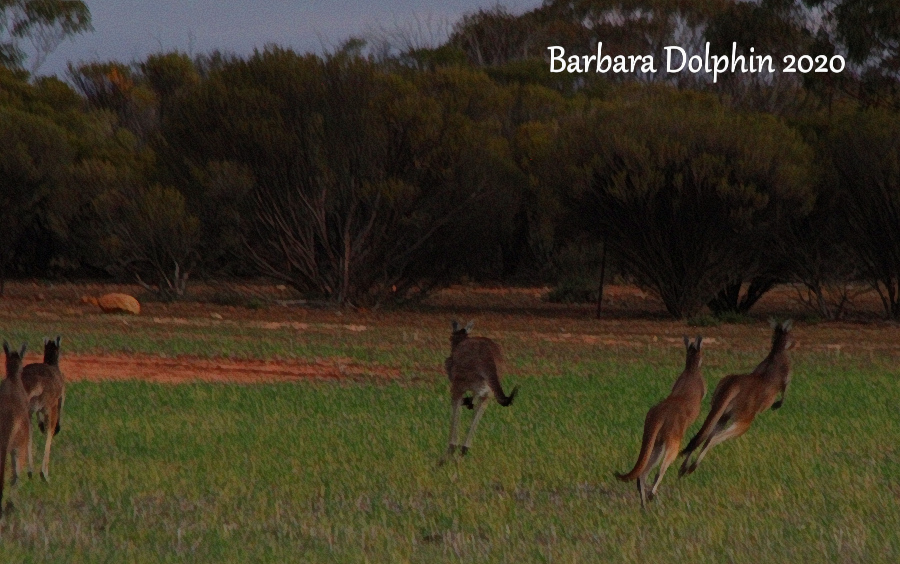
x=46 y=389
x=472 y=367
x=739 y=398
x=15 y=424
x=667 y=421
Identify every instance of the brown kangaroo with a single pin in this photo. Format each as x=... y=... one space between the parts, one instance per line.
x=46 y=389
x=667 y=422
x=15 y=424
x=472 y=367
x=739 y=398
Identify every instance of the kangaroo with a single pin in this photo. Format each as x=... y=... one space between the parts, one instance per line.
x=15 y=424
x=667 y=422
x=472 y=367
x=46 y=389
x=739 y=398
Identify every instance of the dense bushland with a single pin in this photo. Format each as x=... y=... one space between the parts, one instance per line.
x=377 y=172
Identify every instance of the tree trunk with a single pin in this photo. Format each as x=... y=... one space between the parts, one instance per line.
x=602 y=281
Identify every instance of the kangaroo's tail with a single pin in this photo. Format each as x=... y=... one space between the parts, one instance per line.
x=720 y=404
x=508 y=399
x=494 y=382
x=651 y=431
x=58 y=415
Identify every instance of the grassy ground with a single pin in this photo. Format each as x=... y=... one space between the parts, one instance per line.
x=346 y=471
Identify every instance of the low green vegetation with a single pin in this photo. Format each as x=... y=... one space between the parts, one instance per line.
x=346 y=472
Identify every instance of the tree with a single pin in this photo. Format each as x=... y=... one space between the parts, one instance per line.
x=42 y=136
x=867 y=34
x=44 y=23
x=359 y=176
x=814 y=252
x=34 y=160
x=773 y=28
x=819 y=259
x=495 y=36
x=865 y=150
x=73 y=189
x=686 y=194
x=117 y=88
x=169 y=75
x=149 y=233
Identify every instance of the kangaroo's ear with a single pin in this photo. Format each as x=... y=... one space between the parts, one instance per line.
x=699 y=340
x=469 y=326
x=22 y=352
x=6 y=347
x=787 y=325
x=58 y=340
x=772 y=323
x=45 y=340
x=455 y=325
x=687 y=342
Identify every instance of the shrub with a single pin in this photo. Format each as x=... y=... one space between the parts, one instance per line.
x=686 y=194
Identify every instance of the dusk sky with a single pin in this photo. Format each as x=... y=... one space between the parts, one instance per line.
x=128 y=30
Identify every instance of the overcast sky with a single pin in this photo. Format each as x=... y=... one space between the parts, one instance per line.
x=127 y=30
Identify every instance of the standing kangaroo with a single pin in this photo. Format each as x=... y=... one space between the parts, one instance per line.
x=46 y=389
x=15 y=423
x=472 y=367
x=739 y=398
x=667 y=422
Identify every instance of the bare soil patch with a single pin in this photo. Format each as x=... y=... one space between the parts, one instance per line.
x=182 y=370
x=518 y=318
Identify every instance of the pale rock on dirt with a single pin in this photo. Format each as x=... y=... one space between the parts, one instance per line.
x=115 y=303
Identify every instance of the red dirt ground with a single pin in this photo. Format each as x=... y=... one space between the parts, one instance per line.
x=631 y=319
x=183 y=370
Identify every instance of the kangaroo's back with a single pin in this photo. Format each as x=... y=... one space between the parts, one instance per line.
x=473 y=366
x=12 y=402
x=755 y=392
x=44 y=381
x=15 y=428
x=45 y=386
x=667 y=421
x=774 y=372
x=739 y=398
x=475 y=353
x=13 y=399
x=690 y=387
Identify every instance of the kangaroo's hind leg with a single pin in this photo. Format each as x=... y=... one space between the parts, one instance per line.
x=15 y=462
x=21 y=440
x=52 y=422
x=29 y=446
x=655 y=455
x=671 y=453
x=686 y=466
x=721 y=434
x=454 y=428
x=479 y=411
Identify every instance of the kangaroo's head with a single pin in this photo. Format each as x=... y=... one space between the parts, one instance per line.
x=694 y=353
x=781 y=335
x=13 y=360
x=459 y=334
x=51 y=351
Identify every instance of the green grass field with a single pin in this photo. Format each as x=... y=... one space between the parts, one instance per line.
x=346 y=471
